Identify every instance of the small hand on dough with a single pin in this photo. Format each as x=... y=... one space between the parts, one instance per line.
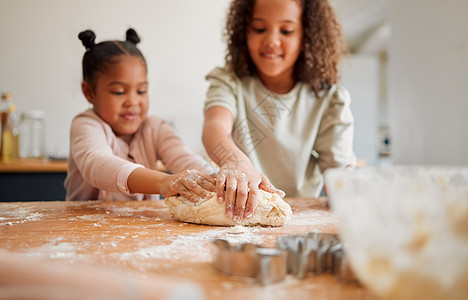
x=190 y=184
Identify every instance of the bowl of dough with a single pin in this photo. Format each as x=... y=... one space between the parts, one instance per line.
x=404 y=228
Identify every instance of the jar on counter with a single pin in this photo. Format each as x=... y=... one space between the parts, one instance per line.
x=7 y=100
x=9 y=146
x=32 y=135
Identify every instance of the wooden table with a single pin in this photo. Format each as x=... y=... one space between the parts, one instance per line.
x=142 y=237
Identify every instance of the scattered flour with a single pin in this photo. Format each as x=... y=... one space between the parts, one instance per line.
x=95 y=217
x=21 y=216
x=54 y=250
x=195 y=247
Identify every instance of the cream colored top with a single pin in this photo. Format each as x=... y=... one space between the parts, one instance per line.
x=291 y=138
x=100 y=162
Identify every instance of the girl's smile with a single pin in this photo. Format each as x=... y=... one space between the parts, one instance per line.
x=270 y=54
x=130 y=116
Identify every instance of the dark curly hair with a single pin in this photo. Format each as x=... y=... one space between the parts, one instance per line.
x=99 y=56
x=323 y=43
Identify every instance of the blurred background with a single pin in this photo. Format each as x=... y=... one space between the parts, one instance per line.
x=407 y=72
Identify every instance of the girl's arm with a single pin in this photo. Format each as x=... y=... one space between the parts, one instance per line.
x=237 y=181
x=190 y=184
x=101 y=168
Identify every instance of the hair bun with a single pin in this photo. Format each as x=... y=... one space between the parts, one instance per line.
x=87 y=37
x=132 y=36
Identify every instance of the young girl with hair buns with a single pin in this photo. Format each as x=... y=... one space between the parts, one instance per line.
x=275 y=116
x=115 y=146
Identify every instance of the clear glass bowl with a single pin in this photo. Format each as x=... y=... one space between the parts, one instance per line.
x=404 y=228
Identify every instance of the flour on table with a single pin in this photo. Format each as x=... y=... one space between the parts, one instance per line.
x=271 y=210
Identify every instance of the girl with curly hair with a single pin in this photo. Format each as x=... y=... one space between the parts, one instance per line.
x=275 y=116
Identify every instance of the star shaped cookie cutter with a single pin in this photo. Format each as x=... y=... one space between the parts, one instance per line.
x=298 y=255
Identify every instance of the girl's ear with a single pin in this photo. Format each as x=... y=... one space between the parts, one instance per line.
x=87 y=91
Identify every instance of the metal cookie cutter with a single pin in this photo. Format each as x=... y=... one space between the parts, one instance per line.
x=316 y=253
x=265 y=264
x=307 y=252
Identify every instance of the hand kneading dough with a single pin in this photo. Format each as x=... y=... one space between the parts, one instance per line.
x=271 y=211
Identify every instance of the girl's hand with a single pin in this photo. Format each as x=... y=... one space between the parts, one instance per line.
x=239 y=189
x=190 y=184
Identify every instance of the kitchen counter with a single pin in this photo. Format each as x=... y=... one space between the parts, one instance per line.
x=25 y=165
x=31 y=180
x=142 y=237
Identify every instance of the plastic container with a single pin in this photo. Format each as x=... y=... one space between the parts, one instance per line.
x=32 y=135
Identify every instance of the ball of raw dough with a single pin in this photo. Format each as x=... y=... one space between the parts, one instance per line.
x=271 y=210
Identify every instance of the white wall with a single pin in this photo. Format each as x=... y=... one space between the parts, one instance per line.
x=360 y=76
x=428 y=94
x=40 y=56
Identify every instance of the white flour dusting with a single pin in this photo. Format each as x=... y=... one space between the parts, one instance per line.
x=195 y=247
x=54 y=250
x=95 y=217
x=21 y=216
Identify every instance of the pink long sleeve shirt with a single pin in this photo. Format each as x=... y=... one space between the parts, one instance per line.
x=100 y=162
